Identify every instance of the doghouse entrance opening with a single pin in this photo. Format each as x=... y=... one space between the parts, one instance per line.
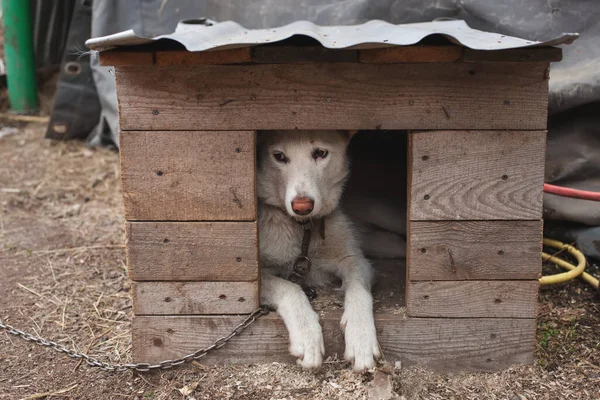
x=375 y=201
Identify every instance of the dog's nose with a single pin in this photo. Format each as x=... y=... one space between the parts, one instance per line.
x=303 y=205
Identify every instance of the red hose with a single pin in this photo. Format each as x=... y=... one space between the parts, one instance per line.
x=568 y=192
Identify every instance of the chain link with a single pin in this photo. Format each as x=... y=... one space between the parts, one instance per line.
x=140 y=367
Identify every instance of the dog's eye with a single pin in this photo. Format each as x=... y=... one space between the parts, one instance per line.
x=280 y=157
x=319 y=153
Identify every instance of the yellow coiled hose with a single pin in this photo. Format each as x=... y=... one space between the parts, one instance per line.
x=572 y=270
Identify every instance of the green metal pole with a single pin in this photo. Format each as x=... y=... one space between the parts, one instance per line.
x=19 y=54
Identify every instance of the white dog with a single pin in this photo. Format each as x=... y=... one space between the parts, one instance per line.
x=301 y=175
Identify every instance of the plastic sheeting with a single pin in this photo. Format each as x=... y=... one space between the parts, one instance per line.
x=108 y=17
x=51 y=20
x=573 y=149
x=76 y=103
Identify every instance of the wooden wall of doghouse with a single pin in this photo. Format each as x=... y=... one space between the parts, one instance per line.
x=476 y=122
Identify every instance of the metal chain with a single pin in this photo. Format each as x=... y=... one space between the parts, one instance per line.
x=303 y=263
x=141 y=367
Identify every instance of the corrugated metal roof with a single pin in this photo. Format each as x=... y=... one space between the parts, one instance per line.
x=201 y=35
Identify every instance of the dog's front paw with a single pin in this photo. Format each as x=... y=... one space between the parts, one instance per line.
x=362 y=348
x=306 y=341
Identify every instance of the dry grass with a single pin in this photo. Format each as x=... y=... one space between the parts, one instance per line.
x=63 y=276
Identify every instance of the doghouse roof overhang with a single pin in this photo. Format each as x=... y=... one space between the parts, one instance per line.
x=203 y=34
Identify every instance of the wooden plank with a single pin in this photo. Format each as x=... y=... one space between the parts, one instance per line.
x=120 y=58
x=408 y=54
x=192 y=251
x=231 y=56
x=300 y=54
x=467 y=175
x=532 y=54
x=334 y=96
x=473 y=299
x=475 y=250
x=440 y=344
x=194 y=298
x=191 y=176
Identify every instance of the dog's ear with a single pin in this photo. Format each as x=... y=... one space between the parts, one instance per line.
x=348 y=133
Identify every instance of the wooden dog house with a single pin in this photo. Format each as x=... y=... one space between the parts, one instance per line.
x=476 y=125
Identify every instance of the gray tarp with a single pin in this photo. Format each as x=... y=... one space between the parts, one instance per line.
x=573 y=157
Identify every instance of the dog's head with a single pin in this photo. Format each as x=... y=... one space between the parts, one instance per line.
x=303 y=172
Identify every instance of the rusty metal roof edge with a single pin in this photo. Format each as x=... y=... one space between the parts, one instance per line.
x=204 y=35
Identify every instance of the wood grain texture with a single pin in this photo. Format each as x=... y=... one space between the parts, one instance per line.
x=193 y=176
x=334 y=96
x=121 y=58
x=535 y=54
x=475 y=250
x=448 y=345
x=231 y=56
x=472 y=299
x=468 y=175
x=194 y=298
x=192 y=251
x=408 y=54
x=298 y=54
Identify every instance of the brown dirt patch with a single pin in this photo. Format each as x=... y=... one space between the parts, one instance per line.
x=62 y=264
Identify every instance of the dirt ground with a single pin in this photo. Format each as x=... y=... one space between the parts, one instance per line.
x=63 y=276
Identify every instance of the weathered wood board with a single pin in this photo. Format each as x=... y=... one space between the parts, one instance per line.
x=475 y=250
x=232 y=56
x=188 y=176
x=407 y=54
x=530 y=54
x=129 y=58
x=192 y=251
x=441 y=344
x=194 y=298
x=472 y=299
x=298 y=54
x=474 y=175
x=334 y=96
x=283 y=53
